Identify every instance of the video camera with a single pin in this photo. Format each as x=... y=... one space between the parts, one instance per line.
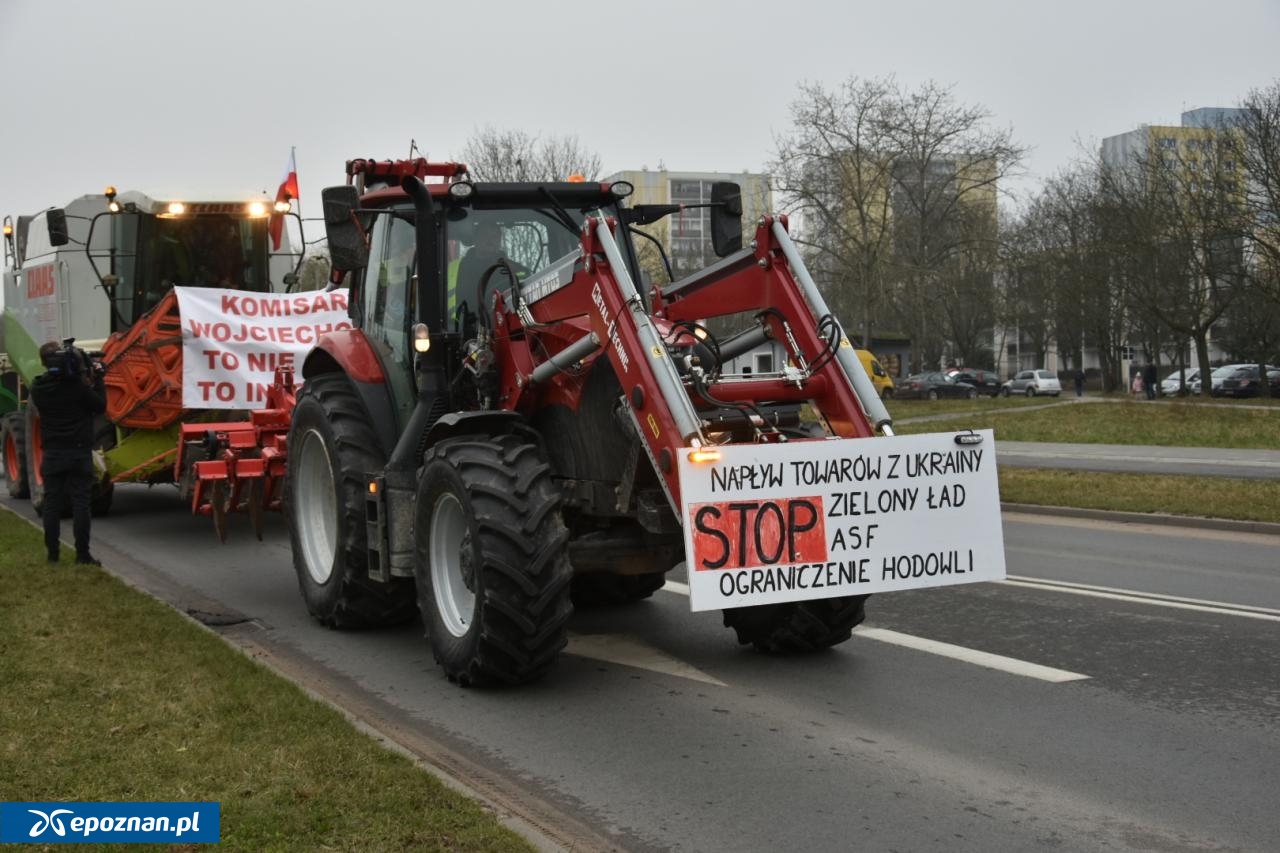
x=71 y=362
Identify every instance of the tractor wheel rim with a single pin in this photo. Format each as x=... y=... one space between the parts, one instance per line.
x=316 y=512
x=452 y=575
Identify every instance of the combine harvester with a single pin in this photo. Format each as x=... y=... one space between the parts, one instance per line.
x=512 y=428
x=100 y=274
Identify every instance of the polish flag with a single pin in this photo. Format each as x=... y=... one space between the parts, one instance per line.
x=288 y=192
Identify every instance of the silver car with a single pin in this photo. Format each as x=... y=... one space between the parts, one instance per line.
x=1032 y=383
x=1217 y=377
x=1171 y=385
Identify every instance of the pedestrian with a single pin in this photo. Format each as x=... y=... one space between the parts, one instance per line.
x=1136 y=386
x=67 y=395
x=1150 y=376
x=1079 y=382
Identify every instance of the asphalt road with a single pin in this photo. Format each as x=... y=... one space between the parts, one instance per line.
x=1128 y=699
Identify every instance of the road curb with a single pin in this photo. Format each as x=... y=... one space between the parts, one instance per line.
x=1121 y=517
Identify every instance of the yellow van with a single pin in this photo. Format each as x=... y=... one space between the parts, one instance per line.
x=879 y=376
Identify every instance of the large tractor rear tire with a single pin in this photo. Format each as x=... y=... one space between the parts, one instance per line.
x=800 y=626
x=492 y=560
x=15 y=455
x=332 y=449
x=601 y=589
x=35 y=462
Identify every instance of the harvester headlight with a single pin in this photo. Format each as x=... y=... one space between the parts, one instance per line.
x=176 y=208
x=8 y=230
x=113 y=206
x=621 y=189
x=257 y=209
x=421 y=337
x=283 y=206
x=461 y=190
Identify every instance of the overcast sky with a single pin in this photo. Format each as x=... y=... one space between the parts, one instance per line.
x=187 y=97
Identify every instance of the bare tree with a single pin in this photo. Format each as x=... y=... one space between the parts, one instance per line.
x=897 y=189
x=1258 y=153
x=1180 y=223
x=948 y=168
x=494 y=154
x=834 y=169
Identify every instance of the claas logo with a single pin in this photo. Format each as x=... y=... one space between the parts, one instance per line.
x=742 y=534
x=41 y=282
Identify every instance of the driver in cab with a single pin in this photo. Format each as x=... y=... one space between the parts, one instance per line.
x=464 y=279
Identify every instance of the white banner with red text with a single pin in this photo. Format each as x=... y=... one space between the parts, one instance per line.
x=770 y=523
x=232 y=341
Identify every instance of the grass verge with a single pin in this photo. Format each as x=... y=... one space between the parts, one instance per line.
x=1174 y=424
x=1213 y=497
x=111 y=695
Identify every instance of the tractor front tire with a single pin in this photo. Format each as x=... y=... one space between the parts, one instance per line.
x=15 y=456
x=800 y=626
x=492 y=562
x=332 y=450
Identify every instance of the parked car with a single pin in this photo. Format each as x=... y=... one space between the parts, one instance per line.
x=985 y=381
x=1217 y=377
x=933 y=386
x=1175 y=384
x=1244 y=382
x=1033 y=383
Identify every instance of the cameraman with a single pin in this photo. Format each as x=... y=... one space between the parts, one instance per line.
x=67 y=396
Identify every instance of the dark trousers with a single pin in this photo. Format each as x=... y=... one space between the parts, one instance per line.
x=67 y=474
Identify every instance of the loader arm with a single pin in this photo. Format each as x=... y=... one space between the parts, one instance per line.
x=669 y=411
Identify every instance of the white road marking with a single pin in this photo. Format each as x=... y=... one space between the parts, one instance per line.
x=1137 y=596
x=960 y=653
x=628 y=651
x=973 y=656
x=677 y=587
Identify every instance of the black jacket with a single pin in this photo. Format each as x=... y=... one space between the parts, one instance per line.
x=67 y=406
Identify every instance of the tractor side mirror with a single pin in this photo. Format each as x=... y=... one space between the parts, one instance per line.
x=347 y=247
x=56 y=219
x=726 y=218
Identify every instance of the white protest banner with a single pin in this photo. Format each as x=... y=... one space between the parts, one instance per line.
x=770 y=523
x=232 y=341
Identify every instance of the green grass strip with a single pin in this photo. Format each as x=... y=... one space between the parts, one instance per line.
x=111 y=695
x=1172 y=424
x=1210 y=497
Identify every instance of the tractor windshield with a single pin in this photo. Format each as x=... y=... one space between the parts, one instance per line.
x=152 y=254
x=527 y=238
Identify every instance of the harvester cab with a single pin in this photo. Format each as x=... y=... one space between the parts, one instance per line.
x=512 y=428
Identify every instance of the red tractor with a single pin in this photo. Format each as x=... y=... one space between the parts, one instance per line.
x=502 y=434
